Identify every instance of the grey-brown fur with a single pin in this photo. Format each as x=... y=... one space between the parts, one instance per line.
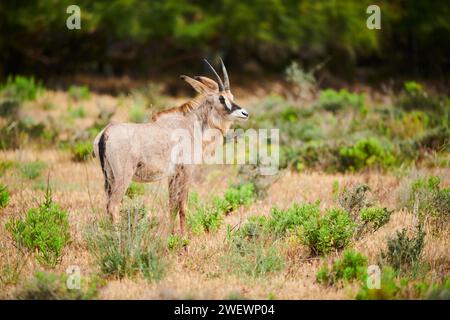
x=142 y=152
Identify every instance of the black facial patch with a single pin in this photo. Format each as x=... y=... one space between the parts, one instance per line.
x=234 y=106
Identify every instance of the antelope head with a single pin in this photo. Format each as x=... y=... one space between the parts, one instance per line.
x=218 y=95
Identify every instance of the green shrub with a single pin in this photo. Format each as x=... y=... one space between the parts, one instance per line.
x=235 y=197
x=322 y=234
x=4 y=166
x=135 y=189
x=12 y=262
x=44 y=231
x=415 y=97
x=176 y=242
x=79 y=112
x=437 y=139
x=50 y=286
x=205 y=218
x=375 y=216
x=425 y=197
x=334 y=101
x=352 y=265
x=82 y=150
x=130 y=247
x=137 y=114
x=282 y=221
x=404 y=253
x=366 y=153
x=31 y=170
x=21 y=88
x=320 y=155
x=79 y=92
x=4 y=196
x=389 y=289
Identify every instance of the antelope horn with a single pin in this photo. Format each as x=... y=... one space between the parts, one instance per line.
x=226 y=80
x=221 y=86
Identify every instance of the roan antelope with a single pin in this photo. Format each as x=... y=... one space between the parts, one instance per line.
x=143 y=152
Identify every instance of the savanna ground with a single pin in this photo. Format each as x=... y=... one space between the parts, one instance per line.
x=332 y=142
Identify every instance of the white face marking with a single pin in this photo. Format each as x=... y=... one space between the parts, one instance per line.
x=240 y=114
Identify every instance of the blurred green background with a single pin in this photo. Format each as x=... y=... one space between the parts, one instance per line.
x=150 y=38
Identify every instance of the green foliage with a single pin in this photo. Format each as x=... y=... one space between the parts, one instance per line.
x=4 y=196
x=82 y=150
x=404 y=253
x=375 y=216
x=79 y=112
x=333 y=230
x=51 y=286
x=352 y=265
x=176 y=242
x=205 y=218
x=283 y=221
x=21 y=88
x=129 y=248
x=135 y=189
x=415 y=97
x=427 y=197
x=137 y=114
x=235 y=197
x=366 y=153
x=79 y=92
x=389 y=288
x=392 y=287
x=44 y=230
x=31 y=170
x=335 y=101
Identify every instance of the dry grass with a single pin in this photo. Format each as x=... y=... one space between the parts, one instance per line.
x=196 y=273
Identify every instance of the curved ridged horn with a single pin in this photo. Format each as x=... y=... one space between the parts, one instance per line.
x=219 y=81
x=226 y=80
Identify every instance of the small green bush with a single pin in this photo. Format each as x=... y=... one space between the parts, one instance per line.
x=404 y=253
x=21 y=88
x=79 y=92
x=31 y=170
x=44 y=231
x=334 y=101
x=4 y=196
x=129 y=248
x=425 y=197
x=322 y=234
x=389 y=289
x=50 y=286
x=283 y=221
x=352 y=265
x=176 y=242
x=205 y=218
x=4 y=166
x=137 y=114
x=79 y=112
x=375 y=216
x=366 y=153
x=415 y=97
x=82 y=150
x=135 y=189
x=235 y=197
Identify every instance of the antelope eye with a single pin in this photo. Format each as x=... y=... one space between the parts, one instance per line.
x=222 y=100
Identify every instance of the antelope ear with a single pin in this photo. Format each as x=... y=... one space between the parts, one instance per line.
x=208 y=82
x=197 y=85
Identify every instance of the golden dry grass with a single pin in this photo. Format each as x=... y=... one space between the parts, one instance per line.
x=197 y=273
